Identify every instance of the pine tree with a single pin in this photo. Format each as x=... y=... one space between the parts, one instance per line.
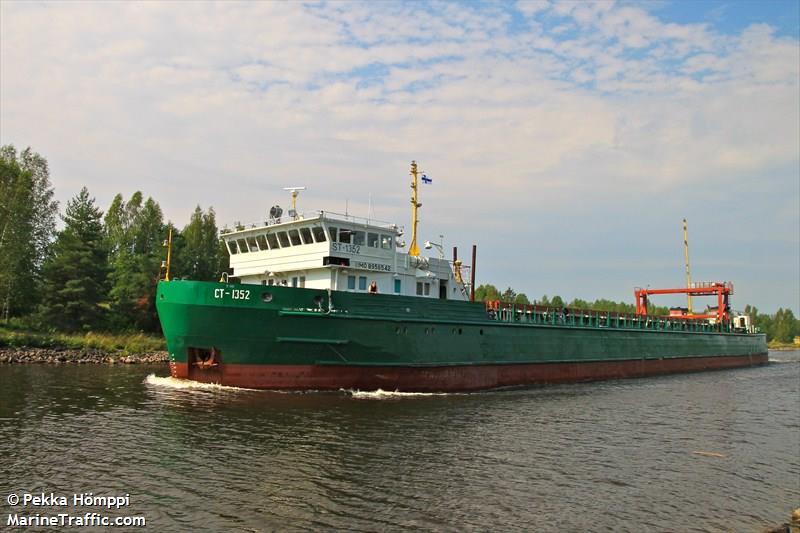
x=508 y=295
x=76 y=269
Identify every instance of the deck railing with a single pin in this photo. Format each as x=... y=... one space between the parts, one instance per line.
x=564 y=316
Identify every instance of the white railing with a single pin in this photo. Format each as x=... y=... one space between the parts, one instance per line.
x=325 y=215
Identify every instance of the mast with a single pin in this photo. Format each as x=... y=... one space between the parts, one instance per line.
x=413 y=249
x=686 y=256
x=166 y=264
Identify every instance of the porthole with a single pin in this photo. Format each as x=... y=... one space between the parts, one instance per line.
x=460 y=331
x=318 y=301
x=405 y=331
x=266 y=297
x=397 y=330
x=480 y=331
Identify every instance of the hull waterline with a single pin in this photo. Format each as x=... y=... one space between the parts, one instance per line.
x=448 y=378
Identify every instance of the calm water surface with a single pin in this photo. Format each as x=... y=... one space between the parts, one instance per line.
x=609 y=456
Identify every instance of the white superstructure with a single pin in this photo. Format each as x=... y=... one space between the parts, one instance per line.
x=325 y=250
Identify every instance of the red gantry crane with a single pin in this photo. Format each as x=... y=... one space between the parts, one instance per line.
x=721 y=289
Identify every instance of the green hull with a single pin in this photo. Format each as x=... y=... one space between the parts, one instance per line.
x=225 y=332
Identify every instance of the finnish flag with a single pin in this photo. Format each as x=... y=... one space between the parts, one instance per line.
x=426 y=179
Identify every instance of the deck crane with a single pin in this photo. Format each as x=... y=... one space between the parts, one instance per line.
x=721 y=289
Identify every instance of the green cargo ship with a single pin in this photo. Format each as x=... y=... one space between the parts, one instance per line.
x=324 y=301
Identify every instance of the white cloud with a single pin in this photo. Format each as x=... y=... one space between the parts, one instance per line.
x=222 y=104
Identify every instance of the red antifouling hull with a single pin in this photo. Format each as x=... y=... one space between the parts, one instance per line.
x=448 y=378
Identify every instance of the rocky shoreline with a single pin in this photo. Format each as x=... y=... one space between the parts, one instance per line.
x=75 y=356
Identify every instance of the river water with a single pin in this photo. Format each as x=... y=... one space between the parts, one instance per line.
x=716 y=451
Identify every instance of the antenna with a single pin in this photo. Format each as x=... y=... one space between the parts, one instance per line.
x=688 y=275
x=295 y=191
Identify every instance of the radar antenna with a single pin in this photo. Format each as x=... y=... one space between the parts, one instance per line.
x=295 y=191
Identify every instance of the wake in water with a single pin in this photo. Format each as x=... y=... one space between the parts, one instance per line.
x=784 y=356
x=173 y=383
x=381 y=394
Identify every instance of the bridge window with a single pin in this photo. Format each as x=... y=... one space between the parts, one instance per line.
x=294 y=235
x=358 y=238
x=397 y=286
x=242 y=245
x=232 y=247
x=305 y=233
x=345 y=235
x=273 y=241
x=386 y=242
x=362 y=283
x=283 y=238
x=251 y=243
x=423 y=289
x=334 y=234
x=351 y=283
x=319 y=234
x=372 y=240
x=262 y=242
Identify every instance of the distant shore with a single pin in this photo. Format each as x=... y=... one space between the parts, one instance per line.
x=776 y=346
x=76 y=356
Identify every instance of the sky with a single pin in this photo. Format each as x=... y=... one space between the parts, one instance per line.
x=568 y=140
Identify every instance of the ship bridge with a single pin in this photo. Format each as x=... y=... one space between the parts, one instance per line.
x=325 y=250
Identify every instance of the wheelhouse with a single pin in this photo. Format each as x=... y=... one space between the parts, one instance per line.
x=339 y=252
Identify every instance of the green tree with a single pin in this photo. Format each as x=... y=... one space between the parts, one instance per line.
x=486 y=292
x=785 y=326
x=16 y=254
x=765 y=324
x=27 y=224
x=577 y=303
x=45 y=207
x=556 y=302
x=508 y=295
x=521 y=298
x=198 y=253
x=76 y=269
x=134 y=234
